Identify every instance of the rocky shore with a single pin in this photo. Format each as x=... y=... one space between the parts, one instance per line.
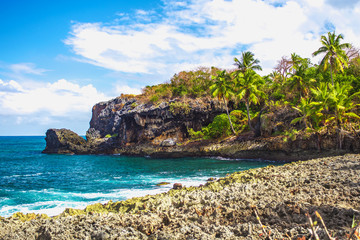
x=222 y=209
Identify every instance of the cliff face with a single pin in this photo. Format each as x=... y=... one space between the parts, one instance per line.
x=121 y=122
x=129 y=121
x=126 y=126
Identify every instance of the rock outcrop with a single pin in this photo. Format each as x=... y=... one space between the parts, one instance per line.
x=130 y=121
x=129 y=127
x=64 y=141
x=123 y=122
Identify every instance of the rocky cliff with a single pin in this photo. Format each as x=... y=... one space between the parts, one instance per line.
x=129 y=127
x=123 y=122
x=131 y=121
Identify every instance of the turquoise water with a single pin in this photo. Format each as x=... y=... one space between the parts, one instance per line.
x=44 y=183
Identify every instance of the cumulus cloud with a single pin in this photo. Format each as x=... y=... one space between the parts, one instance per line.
x=11 y=86
x=212 y=32
x=61 y=98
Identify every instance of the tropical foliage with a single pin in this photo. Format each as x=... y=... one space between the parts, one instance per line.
x=322 y=97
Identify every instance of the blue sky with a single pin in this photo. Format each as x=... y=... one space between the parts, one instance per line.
x=59 y=58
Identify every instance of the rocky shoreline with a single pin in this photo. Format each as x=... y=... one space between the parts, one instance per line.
x=223 y=209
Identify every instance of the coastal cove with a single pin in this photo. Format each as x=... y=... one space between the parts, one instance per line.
x=32 y=182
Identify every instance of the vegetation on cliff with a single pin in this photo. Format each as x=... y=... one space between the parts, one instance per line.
x=322 y=97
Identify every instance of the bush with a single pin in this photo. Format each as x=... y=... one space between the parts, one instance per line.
x=220 y=127
x=134 y=105
x=195 y=134
x=110 y=136
x=154 y=99
x=179 y=107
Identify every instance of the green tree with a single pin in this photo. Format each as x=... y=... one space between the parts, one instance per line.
x=223 y=89
x=309 y=113
x=248 y=86
x=246 y=62
x=299 y=79
x=335 y=55
x=342 y=103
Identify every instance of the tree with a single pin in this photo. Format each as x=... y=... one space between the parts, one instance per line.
x=248 y=89
x=299 y=79
x=335 y=55
x=247 y=61
x=341 y=102
x=222 y=89
x=283 y=66
x=307 y=111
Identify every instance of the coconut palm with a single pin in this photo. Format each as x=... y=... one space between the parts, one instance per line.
x=247 y=61
x=335 y=55
x=342 y=103
x=307 y=110
x=222 y=89
x=298 y=77
x=248 y=85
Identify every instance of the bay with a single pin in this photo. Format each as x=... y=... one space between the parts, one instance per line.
x=48 y=183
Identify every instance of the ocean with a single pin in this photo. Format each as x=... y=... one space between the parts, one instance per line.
x=48 y=183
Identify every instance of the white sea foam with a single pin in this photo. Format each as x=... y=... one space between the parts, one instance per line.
x=24 y=175
x=56 y=207
x=51 y=208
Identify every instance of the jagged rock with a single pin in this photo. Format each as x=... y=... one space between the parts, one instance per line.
x=63 y=141
x=177 y=186
x=162 y=183
x=149 y=123
x=168 y=143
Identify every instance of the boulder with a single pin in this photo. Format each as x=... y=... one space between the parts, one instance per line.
x=177 y=186
x=168 y=143
x=63 y=141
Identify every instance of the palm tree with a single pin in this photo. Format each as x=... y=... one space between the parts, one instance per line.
x=222 y=89
x=247 y=61
x=335 y=55
x=248 y=85
x=341 y=103
x=306 y=109
x=299 y=79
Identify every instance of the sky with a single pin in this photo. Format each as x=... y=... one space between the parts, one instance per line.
x=59 y=58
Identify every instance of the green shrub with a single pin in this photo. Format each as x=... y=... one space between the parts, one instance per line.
x=154 y=98
x=110 y=136
x=179 y=107
x=195 y=134
x=134 y=105
x=220 y=127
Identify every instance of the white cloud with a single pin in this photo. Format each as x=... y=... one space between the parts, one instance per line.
x=212 y=32
x=26 y=68
x=61 y=98
x=125 y=89
x=11 y=86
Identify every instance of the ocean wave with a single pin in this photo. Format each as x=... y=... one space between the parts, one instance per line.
x=51 y=208
x=24 y=175
x=81 y=200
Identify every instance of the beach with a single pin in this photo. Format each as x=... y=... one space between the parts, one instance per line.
x=223 y=209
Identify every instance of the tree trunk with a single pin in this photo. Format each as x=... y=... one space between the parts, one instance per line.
x=257 y=130
x=227 y=111
x=331 y=72
x=248 y=114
